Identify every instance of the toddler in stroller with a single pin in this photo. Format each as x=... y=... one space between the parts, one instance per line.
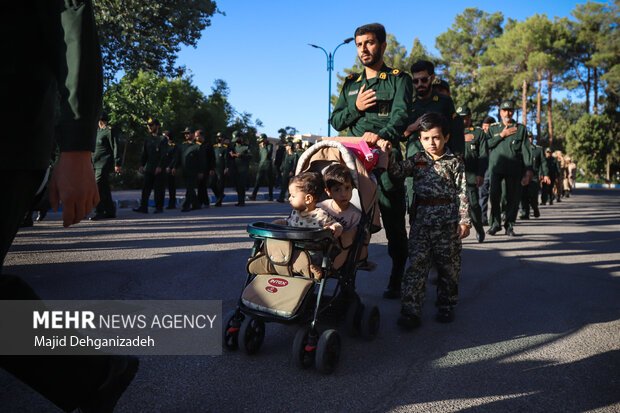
x=282 y=282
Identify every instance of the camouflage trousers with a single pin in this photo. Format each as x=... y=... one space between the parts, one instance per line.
x=432 y=245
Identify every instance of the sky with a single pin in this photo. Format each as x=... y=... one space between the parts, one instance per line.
x=261 y=49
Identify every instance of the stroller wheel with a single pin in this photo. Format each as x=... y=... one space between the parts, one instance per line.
x=328 y=351
x=230 y=331
x=353 y=317
x=251 y=334
x=370 y=323
x=303 y=349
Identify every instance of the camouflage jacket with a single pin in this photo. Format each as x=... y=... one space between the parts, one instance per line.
x=436 y=180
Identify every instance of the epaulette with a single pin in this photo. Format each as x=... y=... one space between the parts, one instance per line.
x=396 y=72
x=382 y=75
x=171 y=143
x=436 y=98
x=493 y=124
x=199 y=143
x=109 y=127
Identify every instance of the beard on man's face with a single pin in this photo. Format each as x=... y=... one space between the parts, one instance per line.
x=370 y=59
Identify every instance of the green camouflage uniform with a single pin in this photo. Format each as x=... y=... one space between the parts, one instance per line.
x=105 y=158
x=440 y=206
x=438 y=103
x=388 y=119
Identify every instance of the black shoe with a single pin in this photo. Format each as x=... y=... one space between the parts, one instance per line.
x=493 y=230
x=480 y=236
x=252 y=198
x=171 y=207
x=536 y=214
x=186 y=209
x=524 y=217
x=240 y=204
x=445 y=315
x=550 y=203
x=559 y=200
x=140 y=209
x=485 y=223
x=26 y=223
x=543 y=203
x=218 y=204
x=510 y=232
x=280 y=200
x=408 y=321
x=271 y=198
x=391 y=293
x=158 y=210
x=121 y=372
x=97 y=217
x=366 y=266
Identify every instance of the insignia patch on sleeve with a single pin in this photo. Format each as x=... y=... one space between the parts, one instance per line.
x=382 y=75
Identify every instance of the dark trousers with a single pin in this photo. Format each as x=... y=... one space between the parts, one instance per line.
x=264 y=174
x=507 y=187
x=64 y=380
x=217 y=185
x=172 y=190
x=156 y=183
x=475 y=212
x=106 y=204
x=483 y=193
x=191 y=198
x=529 y=198
x=241 y=180
x=284 y=185
x=547 y=193
x=203 y=195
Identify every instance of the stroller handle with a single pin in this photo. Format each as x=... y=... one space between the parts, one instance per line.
x=268 y=230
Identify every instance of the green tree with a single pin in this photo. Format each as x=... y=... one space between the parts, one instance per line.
x=286 y=131
x=147 y=35
x=592 y=141
x=462 y=47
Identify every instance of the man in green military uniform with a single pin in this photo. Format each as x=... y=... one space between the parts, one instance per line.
x=209 y=159
x=529 y=195
x=106 y=156
x=299 y=149
x=441 y=86
x=428 y=100
x=510 y=158
x=375 y=104
x=553 y=166
x=169 y=157
x=191 y=159
x=221 y=154
x=265 y=170
x=476 y=162
x=289 y=163
x=152 y=166
x=52 y=61
x=241 y=157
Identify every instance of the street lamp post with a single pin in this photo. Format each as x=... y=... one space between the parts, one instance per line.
x=330 y=69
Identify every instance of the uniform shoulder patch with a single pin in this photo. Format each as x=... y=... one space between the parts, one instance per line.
x=350 y=77
x=435 y=98
x=382 y=75
x=454 y=115
x=396 y=72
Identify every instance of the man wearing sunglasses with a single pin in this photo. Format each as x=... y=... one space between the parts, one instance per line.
x=428 y=100
x=375 y=104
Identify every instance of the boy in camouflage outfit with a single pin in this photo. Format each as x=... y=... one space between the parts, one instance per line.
x=441 y=219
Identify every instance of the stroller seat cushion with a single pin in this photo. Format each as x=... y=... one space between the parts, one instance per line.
x=276 y=295
x=279 y=251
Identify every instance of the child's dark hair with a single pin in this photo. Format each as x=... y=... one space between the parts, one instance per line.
x=337 y=174
x=432 y=120
x=309 y=182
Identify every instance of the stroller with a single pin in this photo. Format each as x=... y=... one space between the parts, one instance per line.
x=280 y=287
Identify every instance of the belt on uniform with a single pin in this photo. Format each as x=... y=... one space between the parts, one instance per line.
x=432 y=201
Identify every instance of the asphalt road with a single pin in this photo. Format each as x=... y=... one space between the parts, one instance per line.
x=537 y=328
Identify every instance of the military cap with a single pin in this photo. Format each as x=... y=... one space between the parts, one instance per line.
x=152 y=121
x=261 y=138
x=219 y=134
x=463 y=111
x=548 y=150
x=441 y=83
x=507 y=105
x=529 y=134
x=104 y=116
x=235 y=139
x=188 y=129
x=234 y=134
x=290 y=143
